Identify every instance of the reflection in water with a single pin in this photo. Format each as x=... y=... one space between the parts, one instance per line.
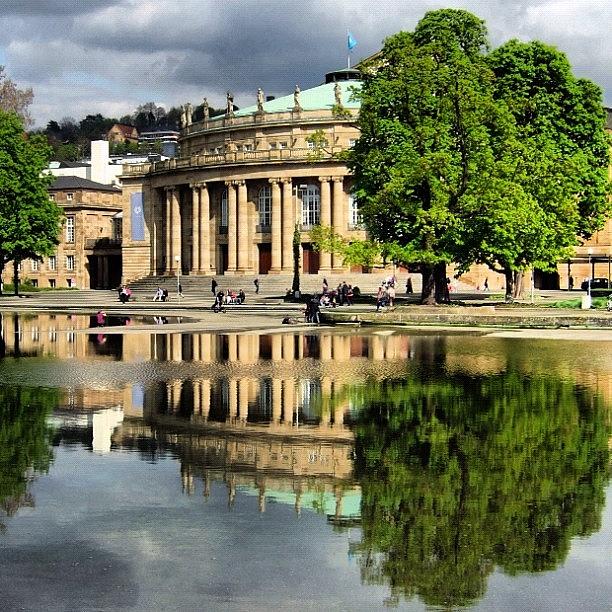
x=24 y=442
x=460 y=474
x=454 y=456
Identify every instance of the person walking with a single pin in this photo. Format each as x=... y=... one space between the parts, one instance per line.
x=571 y=283
x=256 y=283
x=409 y=289
x=391 y=294
x=213 y=286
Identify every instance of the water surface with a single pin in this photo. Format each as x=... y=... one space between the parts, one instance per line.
x=341 y=470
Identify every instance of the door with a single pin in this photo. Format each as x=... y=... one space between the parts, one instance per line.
x=265 y=257
x=310 y=259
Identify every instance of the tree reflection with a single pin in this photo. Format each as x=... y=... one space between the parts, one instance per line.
x=24 y=442
x=464 y=474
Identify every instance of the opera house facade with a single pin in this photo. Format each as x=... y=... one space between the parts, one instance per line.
x=230 y=202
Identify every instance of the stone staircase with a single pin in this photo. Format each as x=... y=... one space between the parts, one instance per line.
x=269 y=285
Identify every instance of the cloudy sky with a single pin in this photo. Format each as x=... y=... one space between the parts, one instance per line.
x=109 y=56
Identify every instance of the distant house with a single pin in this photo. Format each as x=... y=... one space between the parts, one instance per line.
x=121 y=132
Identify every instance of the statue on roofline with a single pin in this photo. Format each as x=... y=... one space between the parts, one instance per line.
x=260 y=100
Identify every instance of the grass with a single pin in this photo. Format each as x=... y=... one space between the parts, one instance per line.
x=598 y=303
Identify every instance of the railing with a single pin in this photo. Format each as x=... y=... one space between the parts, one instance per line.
x=288 y=116
x=234 y=157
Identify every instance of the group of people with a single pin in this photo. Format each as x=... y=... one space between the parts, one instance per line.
x=341 y=296
x=161 y=295
x=385 y=296
x=125 y=294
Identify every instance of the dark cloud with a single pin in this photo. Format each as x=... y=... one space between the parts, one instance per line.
x=170 y=52
x=52 y=7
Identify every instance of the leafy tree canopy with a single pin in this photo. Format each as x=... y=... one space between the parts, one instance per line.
x=470 y=156
x=29 y=221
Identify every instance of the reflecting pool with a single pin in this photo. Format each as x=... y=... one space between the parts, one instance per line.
x=316 y=470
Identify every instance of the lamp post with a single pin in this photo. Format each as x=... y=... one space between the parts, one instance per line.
x=177 y=258
x=590 y=252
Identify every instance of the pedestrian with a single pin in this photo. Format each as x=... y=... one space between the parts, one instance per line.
x=409 y=289
x=325 y=286
x=570 y=283
x=213 y=286
x=391 y=294
x=380 y=298
x=486 y=285
x=179 y=290
x=256 y=283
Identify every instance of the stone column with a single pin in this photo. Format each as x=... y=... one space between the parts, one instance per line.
x=276 y=227
x=288 y=225
x=155 y=220
x=168 y=227
x=176 y=231
x=232 y=236
x=325 y=258
x=196 y=231
x=339 y=217
x=204 y=229
x=243 y=245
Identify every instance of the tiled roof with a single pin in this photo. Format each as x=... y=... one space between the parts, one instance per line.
x=62 y=183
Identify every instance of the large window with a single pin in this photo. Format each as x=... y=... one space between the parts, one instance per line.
x=69 y=262
x=264 y=206
x=355 y=219
x=52 y=262
x=311 y=204
x=34 y=265
x=223 y=221
x=70 y=229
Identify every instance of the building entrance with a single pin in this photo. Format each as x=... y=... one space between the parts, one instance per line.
x=310 y=259
x=265 y=258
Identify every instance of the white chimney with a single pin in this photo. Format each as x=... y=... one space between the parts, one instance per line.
x=99 y=161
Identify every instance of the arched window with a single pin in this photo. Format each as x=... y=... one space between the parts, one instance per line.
x=264 y=206
x=223 y=220
x=311 y=204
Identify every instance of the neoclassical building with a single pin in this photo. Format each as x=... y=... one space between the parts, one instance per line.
x=231 y=200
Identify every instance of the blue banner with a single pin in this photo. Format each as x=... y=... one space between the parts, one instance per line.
x=138 y=225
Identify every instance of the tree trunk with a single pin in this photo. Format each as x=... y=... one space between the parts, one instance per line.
x=442 y=295
x=428 y=293
x=509 y=274
x=16 y=276
x=519 y=285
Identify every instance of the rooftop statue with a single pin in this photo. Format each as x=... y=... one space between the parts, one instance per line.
x=205 y=109
x=296 y=98
x=183 y=117
x=188 y=113
x=260 y=100
x=229 y=110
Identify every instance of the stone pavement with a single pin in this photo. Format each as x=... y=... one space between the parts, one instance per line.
x=262 y=312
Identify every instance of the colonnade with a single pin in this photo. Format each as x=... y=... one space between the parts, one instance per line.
x=242 y=226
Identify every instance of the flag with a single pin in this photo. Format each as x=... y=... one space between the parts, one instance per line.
x=351 y=43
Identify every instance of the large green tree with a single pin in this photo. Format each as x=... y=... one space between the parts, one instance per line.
x=426 y=114
x=549 y=186
x=29 y=221
x=467 y=156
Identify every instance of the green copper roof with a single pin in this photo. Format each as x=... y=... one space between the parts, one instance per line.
x=317 y=98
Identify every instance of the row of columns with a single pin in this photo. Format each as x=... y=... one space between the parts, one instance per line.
x=241 y=227
x=244 y=391
x=245 y=348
